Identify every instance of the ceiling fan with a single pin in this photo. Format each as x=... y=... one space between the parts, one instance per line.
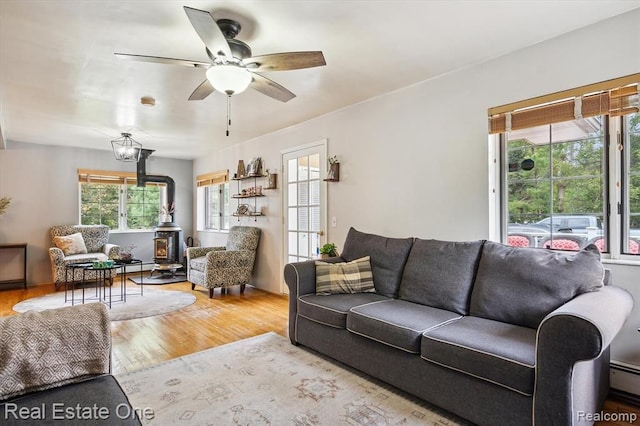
x=232 y=68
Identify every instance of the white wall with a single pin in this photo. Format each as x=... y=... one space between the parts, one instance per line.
x=43 y=184
x=415 y=162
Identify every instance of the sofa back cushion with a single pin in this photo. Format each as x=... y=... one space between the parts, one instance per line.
x=441 y=273
x=521 y=285
x=94 y=236
x=388 y=256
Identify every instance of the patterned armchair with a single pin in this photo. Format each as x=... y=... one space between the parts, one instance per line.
x=96 y=247
x=212 y=267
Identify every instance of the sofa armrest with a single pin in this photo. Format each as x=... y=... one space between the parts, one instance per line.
x=580 y=330
x=193 y=252
x=300 y=277
x=42 y=350
x=111 y=250
x=217 y=259
x=57 y=256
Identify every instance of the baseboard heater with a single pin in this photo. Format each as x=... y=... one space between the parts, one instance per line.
x=625 y=382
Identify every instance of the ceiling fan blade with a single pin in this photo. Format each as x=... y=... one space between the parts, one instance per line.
x=270 y=88
x=161 y=60
x=208 y=31
x=202 y=91
x=285 y=61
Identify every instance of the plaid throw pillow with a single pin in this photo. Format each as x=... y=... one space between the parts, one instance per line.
x=346 y=277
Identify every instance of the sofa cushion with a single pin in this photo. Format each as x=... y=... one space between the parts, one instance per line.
x=519 y=285
x=70 y=244
x=332 y=310
x=441 y=274
x=344 y=277
x=493 y=351
x=388 y=256
x=396 y=323
x=103 y=391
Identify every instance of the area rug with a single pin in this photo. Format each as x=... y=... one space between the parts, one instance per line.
x=152 y=302
x=159 y=279
x=264 y=380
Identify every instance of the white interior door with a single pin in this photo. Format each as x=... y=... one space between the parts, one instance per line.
x=305 y=207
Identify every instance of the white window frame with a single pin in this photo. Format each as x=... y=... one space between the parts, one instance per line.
x=497 y=193
x=122 y=180
x=217 y=182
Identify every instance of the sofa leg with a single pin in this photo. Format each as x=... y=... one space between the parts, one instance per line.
x=211 y=293
x=242 y=286
x=193 y=286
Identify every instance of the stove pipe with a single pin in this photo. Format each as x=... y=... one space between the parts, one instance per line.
x=142 y=177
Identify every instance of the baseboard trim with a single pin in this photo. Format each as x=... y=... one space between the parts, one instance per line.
x=625 y=381
x=625 y=397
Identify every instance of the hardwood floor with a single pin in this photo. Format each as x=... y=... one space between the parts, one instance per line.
x=207 y=323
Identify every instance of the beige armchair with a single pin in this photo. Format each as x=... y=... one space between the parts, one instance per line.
x=91 y=245
x=212 y=267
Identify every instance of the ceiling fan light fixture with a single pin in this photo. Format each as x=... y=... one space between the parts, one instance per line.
x=229 y=79
x=126 y=149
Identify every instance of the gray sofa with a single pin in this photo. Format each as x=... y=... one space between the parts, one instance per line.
x=55 y=369
x=497 y=335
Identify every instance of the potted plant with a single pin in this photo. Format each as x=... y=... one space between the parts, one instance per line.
x=166 y=213
x=334 y=169
x=328 y=250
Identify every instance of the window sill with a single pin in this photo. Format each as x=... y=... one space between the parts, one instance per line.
x=132 y=231
x=214 y=231
x=628 y=262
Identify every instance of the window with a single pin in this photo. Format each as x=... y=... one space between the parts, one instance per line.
x=570 y=168
x=213 y=201
x=113 y=199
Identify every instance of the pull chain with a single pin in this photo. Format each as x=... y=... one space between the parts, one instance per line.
x=228 y=112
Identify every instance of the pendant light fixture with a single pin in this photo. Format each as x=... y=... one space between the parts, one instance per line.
x=126 y=149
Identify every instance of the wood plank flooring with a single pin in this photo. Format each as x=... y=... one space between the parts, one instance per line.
x=207 y=323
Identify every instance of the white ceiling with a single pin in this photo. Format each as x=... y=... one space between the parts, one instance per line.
x=61 y=84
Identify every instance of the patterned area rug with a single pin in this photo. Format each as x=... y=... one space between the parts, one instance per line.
x=264 y=380
x=152 y=302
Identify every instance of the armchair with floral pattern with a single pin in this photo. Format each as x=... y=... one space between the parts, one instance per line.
x=91 y=245
x=231 y=265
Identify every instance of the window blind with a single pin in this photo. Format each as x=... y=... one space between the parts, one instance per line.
x=110 y=177
x=214 y=178
x=613 y=97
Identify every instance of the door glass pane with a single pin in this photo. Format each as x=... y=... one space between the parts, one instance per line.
x=303 y=219
x=292 y=197
x=303 y=193
x=315 y=218
x=292 y=170
x=314 y=166
x=293 y=243
x=293 y=219
x=303 y=244
x=315 y=243
x=314 y=187
x=303 y=168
